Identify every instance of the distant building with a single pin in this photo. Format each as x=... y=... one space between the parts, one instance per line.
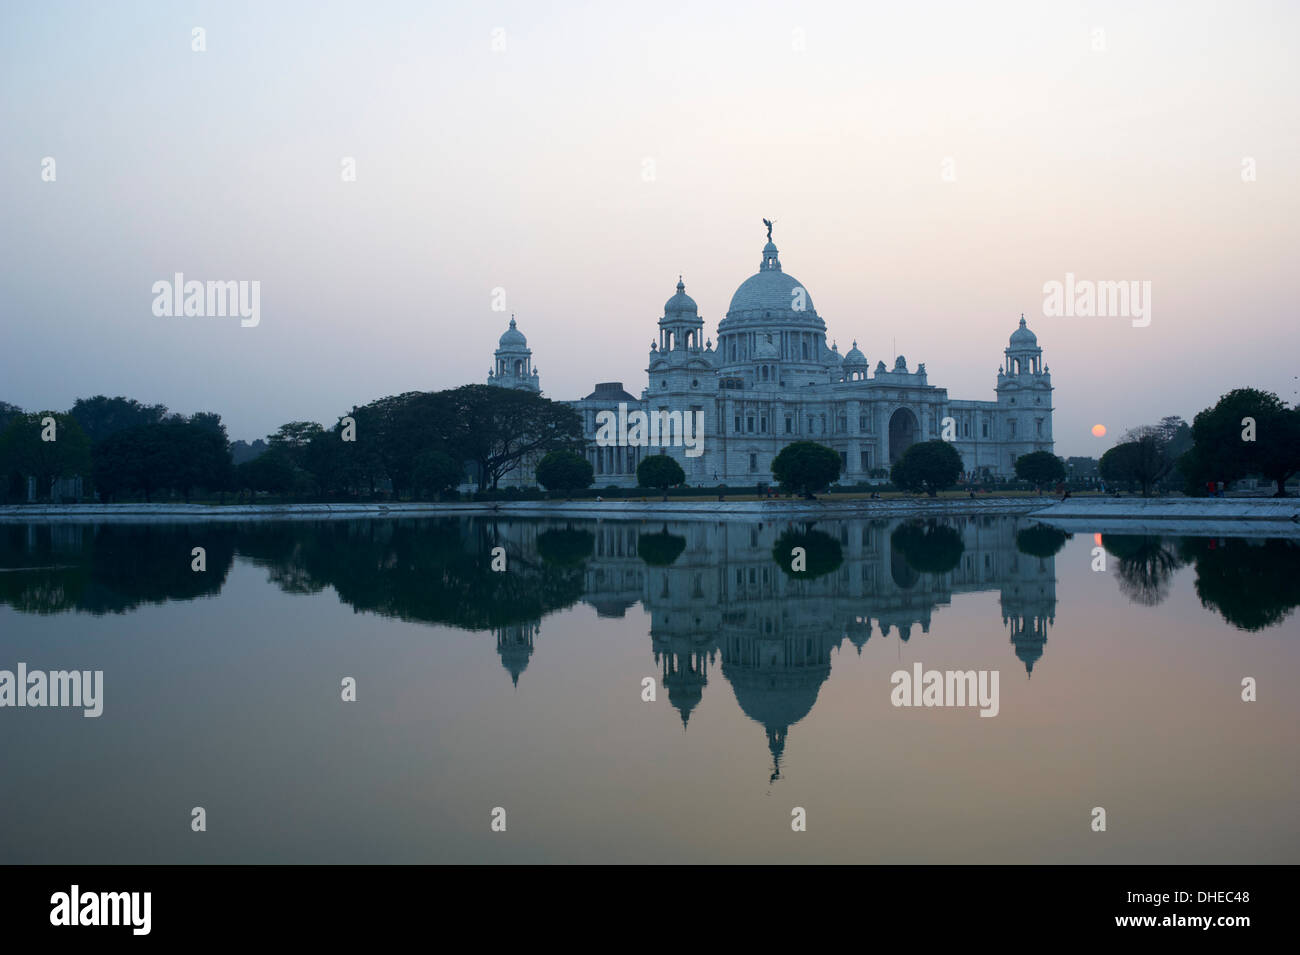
x=773 y=380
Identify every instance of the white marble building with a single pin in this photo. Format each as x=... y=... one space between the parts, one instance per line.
x=772 y=380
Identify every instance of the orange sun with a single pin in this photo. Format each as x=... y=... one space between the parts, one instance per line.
x=1099 y=431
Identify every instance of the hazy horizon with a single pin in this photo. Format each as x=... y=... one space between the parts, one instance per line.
x=524 y=168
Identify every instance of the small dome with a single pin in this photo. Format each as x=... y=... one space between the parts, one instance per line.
x=513 y=337
x=1023 y=336
x=681 y=302
x=854 y=356
x=766 y=349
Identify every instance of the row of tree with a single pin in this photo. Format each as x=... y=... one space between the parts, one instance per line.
x=415 y=444
x=422 y=444
x=1247 y=433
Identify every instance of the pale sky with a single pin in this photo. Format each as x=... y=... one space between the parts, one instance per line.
x=526 y=169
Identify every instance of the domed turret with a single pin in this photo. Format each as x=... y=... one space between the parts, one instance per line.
x=681 y=302
x=855 y=364
x=512 y=338
x=512 y=365
x=681 y=329
x=1022 y=337
x=1023 y=355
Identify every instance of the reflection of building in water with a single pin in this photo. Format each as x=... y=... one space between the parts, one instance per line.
x=725 y=602
x=726 y=597
x=515 y=646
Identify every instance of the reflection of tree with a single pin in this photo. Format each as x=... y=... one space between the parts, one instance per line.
x=1041 y=541
x=1251 y=583
x=109 y=568
x=822 y=553
x=565 y=547
x=661 y=549
x=928 y=546
x=1145 y=567
x=432 y=570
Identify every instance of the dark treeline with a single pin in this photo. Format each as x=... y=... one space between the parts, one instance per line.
x=1247 y=433
x=422 y=445
x=418 y=445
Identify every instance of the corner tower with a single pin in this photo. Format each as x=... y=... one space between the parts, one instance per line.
x=512 y=365
x=1024 y=393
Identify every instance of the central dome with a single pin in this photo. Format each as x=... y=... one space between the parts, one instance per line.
x=771 y=291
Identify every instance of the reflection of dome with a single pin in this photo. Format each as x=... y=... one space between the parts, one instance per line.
x=681 y=302
x=771 y=290
x=858 y=630
x=1023 y=336
x=776 y=699
x=685 y=681
x=515 y=645
x=513 y=337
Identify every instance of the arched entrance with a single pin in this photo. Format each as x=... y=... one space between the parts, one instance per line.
x=903 y=429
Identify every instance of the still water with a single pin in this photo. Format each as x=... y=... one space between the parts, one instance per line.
x=523 y=690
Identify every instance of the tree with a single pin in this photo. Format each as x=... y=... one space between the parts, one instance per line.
x=1145 y=566
x=564 y=471
x=241 y=451
x=820 y=553
x=293 y=439
x=1040 y=468
x=1117 y=466
x=24 y=449
x=1251 y=583
x=272 y=472
x=661 y=549
x=500 y=428
x=928 y=546
x=928 y=466
x=7 y=413
x=806 y=467
x=1227 y=446
x=437 y=472
x=1041 y=541
x=101 y=416
x=1143 y=460
x=659 y=470
x=394 y=432
x=176 y=454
